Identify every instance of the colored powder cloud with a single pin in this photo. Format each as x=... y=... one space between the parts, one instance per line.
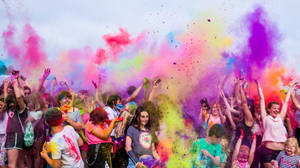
x=260 y=48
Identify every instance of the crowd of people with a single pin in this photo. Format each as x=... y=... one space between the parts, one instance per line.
x=39 y=128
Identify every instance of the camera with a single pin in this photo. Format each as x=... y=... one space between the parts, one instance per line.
x=204 y=103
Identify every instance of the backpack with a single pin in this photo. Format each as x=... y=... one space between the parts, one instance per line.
x=28 y=135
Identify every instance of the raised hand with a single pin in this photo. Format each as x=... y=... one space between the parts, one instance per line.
x=242 y=134
x=254 y=136
x=46 y=73
x=94 y=84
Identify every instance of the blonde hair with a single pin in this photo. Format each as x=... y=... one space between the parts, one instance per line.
x=225 y=145
x=293 y=141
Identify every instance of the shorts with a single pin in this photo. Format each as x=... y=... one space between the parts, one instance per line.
x=14 y=141
x=98 y=155
x=267 y=155
x=2 y=150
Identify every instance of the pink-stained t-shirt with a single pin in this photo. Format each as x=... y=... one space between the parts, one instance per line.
x=92 y=139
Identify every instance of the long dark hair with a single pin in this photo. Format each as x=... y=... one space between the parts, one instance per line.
x=137 y=122
x=112 y=100
x=11 y=99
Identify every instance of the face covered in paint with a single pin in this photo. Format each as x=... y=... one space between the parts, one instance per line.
x=243 y=154
x=65 y=101
x=274 y=110
x=144 y=118
x=119 y=105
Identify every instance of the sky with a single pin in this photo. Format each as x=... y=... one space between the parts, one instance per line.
x=71 y=32
x=75 y=23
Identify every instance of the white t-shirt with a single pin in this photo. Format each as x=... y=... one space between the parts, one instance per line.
x=112 y=114
x=275 y=130
x=64 y=146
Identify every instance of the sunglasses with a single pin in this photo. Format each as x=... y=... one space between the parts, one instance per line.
x=26 y=93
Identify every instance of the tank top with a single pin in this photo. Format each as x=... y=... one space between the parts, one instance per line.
x=274 y=129
x=213 y=120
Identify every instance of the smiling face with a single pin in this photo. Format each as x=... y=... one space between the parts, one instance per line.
x=274 y=110
x=290 y=149
x=243 y=153
x=144 y=118
x=214 y=110
x=65 y=101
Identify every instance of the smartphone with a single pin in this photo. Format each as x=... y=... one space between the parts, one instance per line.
x=157 y=81
x=15 y=72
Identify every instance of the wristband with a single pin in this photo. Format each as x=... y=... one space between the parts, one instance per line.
x=133 y=157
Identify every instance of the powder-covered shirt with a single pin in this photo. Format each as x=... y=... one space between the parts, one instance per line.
x=198 y=159
x=91 y=138
x=141 y=141
x=285 y=161
x=74 y=116
x=64 y=146
x=238 y=164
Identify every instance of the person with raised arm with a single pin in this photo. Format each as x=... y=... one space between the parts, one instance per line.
x=64 y=144
x=17 y=112
x=242 y=156
x=275 y=133
x=71 y=115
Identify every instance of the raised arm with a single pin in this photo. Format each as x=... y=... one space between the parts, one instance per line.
x=295 y=101
x=228 y=108
x=288 y=126
x=5 y=88
x=18 y=94
x=54 y=83
x=134 y=94
x=154 y=89
x=252 y=150
x=248 y=116
x=43 y=78
x=262 y=101
x=237 y=94
x=98 y=92
x=222 y=117
x=237 y=147
x=286 y=101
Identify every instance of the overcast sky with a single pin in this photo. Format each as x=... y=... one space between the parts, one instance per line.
x=66 y=24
